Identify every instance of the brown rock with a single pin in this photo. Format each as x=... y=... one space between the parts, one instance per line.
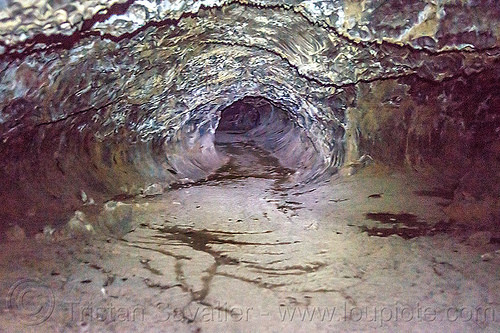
x=116 y=217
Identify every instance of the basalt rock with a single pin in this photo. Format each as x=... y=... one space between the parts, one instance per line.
x=116 y=218
x=108 y=96
x=78 y=226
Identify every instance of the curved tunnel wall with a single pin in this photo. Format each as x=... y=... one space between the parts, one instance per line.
x=111 y=103
x=273 y=128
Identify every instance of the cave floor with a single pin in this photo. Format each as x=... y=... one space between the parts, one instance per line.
x=255 y=254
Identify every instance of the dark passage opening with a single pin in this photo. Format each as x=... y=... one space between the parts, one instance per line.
x=262 y=140
x=242 y=136
x=241 y=116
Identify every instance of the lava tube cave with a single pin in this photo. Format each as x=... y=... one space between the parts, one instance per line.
x=249 y=166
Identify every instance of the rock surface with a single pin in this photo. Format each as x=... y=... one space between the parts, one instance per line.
x=152 y=190
x=267 y=253
x=78 y=226
x=136 y=89
x=116 y=217
x=480 y=238
x=251 y=113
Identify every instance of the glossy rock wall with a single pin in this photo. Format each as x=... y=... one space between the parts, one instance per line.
x=109 y=97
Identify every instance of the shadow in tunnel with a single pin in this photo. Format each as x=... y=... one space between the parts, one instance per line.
x=240 y=117
x=248 y=157
x=260 y=137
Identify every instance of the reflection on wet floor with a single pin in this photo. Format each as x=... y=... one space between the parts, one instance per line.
x=404 y=225
x=436 y=192
x=246 y=160
x=206 y=241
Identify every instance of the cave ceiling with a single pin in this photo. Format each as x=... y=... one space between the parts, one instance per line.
x=158 y=66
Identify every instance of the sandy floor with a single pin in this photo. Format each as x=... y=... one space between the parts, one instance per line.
x=245 y=251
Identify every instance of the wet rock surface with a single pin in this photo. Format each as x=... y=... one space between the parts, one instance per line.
x=222 y=255
x=421 y=24
x=112 y=97
x=218 y=164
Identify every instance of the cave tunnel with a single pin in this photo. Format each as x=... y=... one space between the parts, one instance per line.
x=239 y=166
x=243 y=116
x=257 y=124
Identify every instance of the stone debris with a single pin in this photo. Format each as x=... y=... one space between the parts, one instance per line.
x=79 y=226
x=152 y=190
x=312 y=226
x=353 y=167
x=50 y=233
x=116 y=217
x=84 y=196
x=87 y=201
x=490 y=255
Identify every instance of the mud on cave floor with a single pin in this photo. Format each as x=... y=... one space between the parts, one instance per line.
x=246 y=250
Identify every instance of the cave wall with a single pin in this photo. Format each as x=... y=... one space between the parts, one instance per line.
x=109 y=97
x=453 y=125
x=434 y=25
